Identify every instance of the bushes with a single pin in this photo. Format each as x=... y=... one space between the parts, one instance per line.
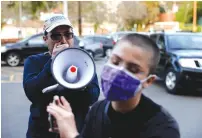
x=189 y=27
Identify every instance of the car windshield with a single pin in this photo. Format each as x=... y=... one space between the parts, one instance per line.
x=185 y=42
x=25 y=39
x=87 y=40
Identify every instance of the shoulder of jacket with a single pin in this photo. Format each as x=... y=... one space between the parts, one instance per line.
x=37 y=56
x=163 y=117
x=97 y=104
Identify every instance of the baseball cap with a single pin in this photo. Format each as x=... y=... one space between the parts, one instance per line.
x=55 y=21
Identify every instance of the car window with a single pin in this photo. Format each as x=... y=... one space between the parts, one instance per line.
x=76 y=41
x=87 y=40
x=161 y=42
x=97 y=39
x=179 y=42
x=154 y=37
x=100 y=39
x=36 y=41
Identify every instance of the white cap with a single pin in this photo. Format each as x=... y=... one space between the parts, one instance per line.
x=55 y=21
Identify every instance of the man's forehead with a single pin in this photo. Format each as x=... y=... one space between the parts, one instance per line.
x=62 y=28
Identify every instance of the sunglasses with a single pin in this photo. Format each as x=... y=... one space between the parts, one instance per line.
x=58 y=36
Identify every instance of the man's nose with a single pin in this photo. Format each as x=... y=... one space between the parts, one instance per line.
x=64 y=40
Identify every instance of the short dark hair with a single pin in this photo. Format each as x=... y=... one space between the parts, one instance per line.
x=146 y=43
x=45 y=33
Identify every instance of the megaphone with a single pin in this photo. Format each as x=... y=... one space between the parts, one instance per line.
x=72 y=68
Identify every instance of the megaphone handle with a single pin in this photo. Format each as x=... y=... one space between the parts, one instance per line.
x=51 y=118
x=50 y=88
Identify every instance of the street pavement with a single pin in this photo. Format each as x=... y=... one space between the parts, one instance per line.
x=186 y=109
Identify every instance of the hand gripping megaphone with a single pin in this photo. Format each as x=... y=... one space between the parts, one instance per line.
x=72 y=68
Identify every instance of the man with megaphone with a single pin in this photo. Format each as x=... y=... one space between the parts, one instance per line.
x=41 y=83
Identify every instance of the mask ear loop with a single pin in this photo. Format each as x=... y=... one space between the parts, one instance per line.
x=151 y=75
x=142 y=81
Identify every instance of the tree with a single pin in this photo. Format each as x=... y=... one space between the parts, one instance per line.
x=91 y=11
x=153 y=10
x=95 y=11
x=133 y=12
x=31 y=9
x=185 y=12
x=199 y=12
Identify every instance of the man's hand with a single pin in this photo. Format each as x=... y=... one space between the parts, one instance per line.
x=57 y=48
x=64 y=118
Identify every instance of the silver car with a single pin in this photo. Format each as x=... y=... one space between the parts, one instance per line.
x=95 y=49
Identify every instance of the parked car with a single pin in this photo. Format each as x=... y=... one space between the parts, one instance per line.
x=180 y=64
x=95 y=44
x=15 y=53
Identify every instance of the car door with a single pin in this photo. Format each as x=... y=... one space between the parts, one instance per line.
x=88 y=44
x=35 y=45
x=163 y=54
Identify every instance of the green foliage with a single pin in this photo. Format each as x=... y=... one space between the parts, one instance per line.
x=3 y=24
x=189 y=27
x=31 y=8
x=199 y=12
x=161 y=9
x=91 y=11
x=95 y=11
x=185 y=13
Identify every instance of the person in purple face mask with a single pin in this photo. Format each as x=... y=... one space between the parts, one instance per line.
x=125 y=112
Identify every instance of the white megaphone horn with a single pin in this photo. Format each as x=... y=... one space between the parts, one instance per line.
x=72 y=68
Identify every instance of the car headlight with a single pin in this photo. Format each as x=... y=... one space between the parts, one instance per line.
x=3 y=49
x=187 y=63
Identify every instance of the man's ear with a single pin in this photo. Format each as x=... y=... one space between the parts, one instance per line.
x=149 y=81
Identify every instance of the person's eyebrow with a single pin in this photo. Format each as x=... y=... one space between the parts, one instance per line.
x=130 y=64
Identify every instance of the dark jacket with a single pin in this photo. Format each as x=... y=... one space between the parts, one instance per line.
x=37 y=76
x=147 y=120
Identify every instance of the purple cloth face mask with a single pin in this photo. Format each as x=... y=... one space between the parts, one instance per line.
x=119 y=84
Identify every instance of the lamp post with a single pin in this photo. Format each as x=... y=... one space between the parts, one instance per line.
x=20 y=23
x=65 y=8
x=79 y=19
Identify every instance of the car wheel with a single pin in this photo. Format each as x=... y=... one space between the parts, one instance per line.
x=171 y=81
x=13 y=59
